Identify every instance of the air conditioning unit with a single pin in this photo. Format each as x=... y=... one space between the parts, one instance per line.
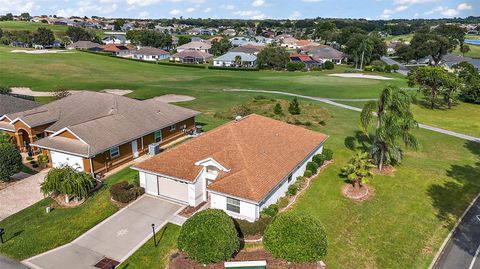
x=154 y=148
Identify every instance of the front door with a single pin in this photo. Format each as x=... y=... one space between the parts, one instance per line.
x=134 y=149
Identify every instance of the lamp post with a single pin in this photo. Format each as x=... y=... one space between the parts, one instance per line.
x=2 y=231
x=154 y=237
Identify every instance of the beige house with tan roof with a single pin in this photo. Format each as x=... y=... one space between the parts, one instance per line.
x=240 y=167
x=95 y=132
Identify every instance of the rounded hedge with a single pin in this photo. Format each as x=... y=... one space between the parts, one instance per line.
x=296 y=238
x=328 y=153
x=209 y=236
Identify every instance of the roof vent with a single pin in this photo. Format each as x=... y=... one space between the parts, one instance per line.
x=238 y=118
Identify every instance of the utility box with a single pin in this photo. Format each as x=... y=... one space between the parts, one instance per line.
x=154 y=148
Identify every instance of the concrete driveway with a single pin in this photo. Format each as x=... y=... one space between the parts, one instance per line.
x=21 y=195
x=116 y=238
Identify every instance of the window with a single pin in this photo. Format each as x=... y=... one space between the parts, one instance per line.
x=289 y=178
x=233 y=205
x=158 y=136
x=173 y=127
x=114 y=152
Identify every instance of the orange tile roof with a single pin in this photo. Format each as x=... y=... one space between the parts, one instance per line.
x=301 y=57
x=258 y=152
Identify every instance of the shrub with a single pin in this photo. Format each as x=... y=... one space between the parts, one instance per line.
x=270 y=211
x=388 y=68
x=319 y=159
x=300 y=182
x=124 y=192
x=368 y=68
x=294 y=107
x=209 y=236
x=5 y=90
x=328 y=153
x=316 y=68
x=277 y=109
x=296 y=237
x=259 y=97
x=307 y=173
x=10 y=161
x=295 y=66
x=68 y=181
x=292 y=189
x=283 y=202
x=43 y=160
x=312 y=166
x=377 y=63
x=246 y=228
x=395 y=67
x=329 y=65
x=29 y=158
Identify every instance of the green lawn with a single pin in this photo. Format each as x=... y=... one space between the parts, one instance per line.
x=149 y=256
x=32 y=231
x=29 y=26
x=473 y=53
x=407 y=37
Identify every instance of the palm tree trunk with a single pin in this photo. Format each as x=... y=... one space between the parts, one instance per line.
x=380 y=163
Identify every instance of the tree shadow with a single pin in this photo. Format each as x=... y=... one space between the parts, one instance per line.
x=15 y=234
x=359 y=142
x=451 y=197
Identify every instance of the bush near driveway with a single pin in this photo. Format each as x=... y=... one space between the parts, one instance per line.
x=209 y=236
x=10 y=161
x=246 y=228
x=125 y=193
x=296 y=237
x=67 y=181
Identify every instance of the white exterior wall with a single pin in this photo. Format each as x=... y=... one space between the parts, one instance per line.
x=248 y=211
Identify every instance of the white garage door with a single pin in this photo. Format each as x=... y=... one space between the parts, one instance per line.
x=59 y=159
x=173 y=189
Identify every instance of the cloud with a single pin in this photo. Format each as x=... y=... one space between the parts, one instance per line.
x=449 y=12
x=295 y=15
x=464 y=6
x=175 y=12
x=387 y=13
x=252 y=14
x=258 y=3
x=87 y=8
x=190 y=9
x=17 y=6
x=411 y=2
x=228 y=7
x=207 y=10
x=143 y=15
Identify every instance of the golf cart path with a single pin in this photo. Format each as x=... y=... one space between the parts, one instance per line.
x=333 y=103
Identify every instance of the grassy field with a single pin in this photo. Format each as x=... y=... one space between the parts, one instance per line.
x=473 y=53
x=407 y=37
x=32 y=231
x=29 y=26
x=149 y=256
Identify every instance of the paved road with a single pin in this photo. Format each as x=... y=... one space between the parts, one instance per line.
x=329 y=101
x=462 y=250
x=21 y=195
x=402 y=68
x=6 y=263
x=117 y=237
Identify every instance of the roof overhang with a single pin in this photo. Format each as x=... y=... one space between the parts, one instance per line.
x=162 y=175
x=210 y=161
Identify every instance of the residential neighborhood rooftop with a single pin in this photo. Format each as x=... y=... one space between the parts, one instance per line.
x=257 y=151
x=10 y=104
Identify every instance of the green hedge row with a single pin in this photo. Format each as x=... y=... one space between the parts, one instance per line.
x=234 y=68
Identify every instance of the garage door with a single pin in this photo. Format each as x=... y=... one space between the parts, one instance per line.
x=151 y=184
x=174 y=189
x=60 y=159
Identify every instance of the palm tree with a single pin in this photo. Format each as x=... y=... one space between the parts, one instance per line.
x=358 y=169
x=394 y=121
x=238 y=60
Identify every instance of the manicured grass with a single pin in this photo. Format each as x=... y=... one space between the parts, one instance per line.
x=462 y=118
x=473 y=53
x=406 y=37
x=149 y=256
x=32 y=231
x=79 y=70
x=29 y=26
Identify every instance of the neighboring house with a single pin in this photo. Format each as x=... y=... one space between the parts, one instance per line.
x=84 y=45
x=191 y=57
x=229 y=32
x=240 y=167
x=328 y=54
x=249 y=49
x=449 y=60
x=230 y=59
x=95 y=132
x=150 y=54
x=195 y=45
x=201 y=31
x=306 y=59
x=115 y=39
x=239 y=41
x=118 y=50
x=11 y=104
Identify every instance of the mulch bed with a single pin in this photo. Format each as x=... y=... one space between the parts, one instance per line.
x=191 y=210
x=60 y=200
x=387 y=170
x=179 y=260
x=117 y=203
x=364 y=193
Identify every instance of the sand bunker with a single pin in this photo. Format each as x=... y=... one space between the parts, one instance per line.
x=173 y=98
x=359 y=75
x=40 y=51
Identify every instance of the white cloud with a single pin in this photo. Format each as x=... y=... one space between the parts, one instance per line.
x=207 y=10
x=387 y=13
x=228 y=7
x=87 y=8
x=258 y=3
x=411 y=2
x=464 y=6
x=295 y=15
x=143 y=15
x=252 y=14
x=17 y=6
x=175 y=12
x=190 y=9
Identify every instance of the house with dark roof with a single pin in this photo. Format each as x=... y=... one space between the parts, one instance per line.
x=84 y=45
x=324 y=54
x=11 y=104
x=305 y=59
x=240 y=167
x=191 y=57
x=118 y=50
x=95 y=132
x=150 y=54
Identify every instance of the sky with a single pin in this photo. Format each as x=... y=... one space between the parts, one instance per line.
x=247 y=9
